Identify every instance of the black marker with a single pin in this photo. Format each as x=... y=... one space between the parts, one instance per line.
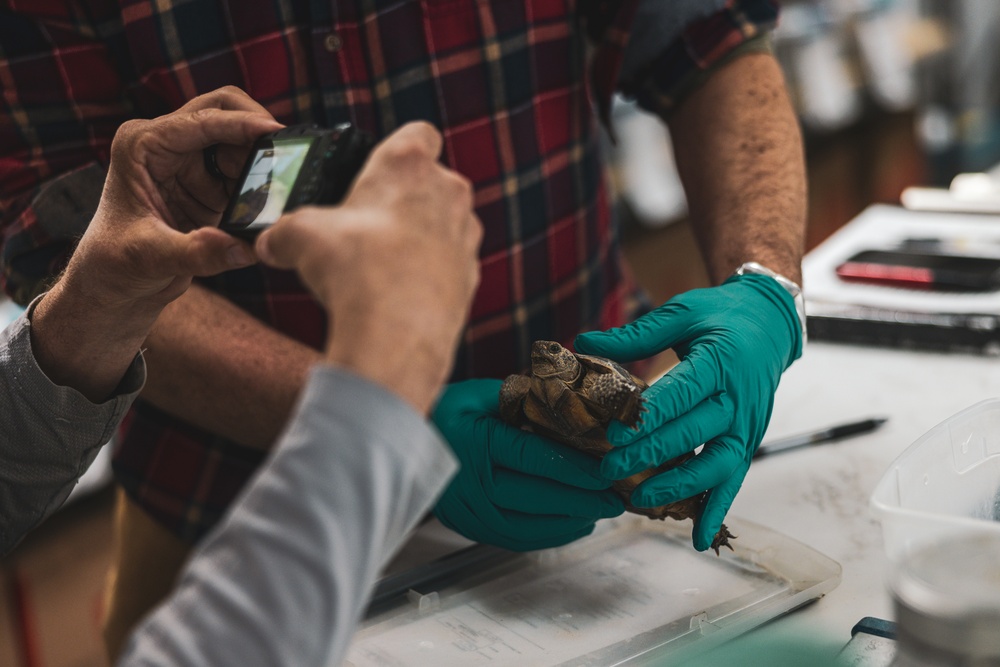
x=819 y=437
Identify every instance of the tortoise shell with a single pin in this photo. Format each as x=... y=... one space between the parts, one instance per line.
x=572 y=398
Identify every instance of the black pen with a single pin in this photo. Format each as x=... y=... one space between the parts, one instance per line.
x=819 y=437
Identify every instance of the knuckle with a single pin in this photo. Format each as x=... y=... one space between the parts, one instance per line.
x=462 y=187
x=233 y=90
x=132 y=126
x=406 y=150
x=201 y=115
x=128 y=141
x=217 y=98
x=129 y=131
x=423 y=126
x=456 y=191
x=476 y=235
x=423 y=133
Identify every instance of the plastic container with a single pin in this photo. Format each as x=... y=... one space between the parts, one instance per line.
x=946 y=485
x=633 y=593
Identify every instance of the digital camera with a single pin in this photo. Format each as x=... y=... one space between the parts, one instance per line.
x=295 y=166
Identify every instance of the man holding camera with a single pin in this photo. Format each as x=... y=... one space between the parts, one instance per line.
x=359 y=463
x=507 y=82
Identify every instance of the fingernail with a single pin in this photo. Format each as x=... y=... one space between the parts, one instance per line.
x=238 y=255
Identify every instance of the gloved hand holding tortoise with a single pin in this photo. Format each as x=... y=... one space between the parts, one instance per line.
x=572 y=398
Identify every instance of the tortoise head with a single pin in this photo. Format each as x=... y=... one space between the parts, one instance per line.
x=550 y=359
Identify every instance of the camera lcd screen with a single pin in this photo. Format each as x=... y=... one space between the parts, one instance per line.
x=269 y=182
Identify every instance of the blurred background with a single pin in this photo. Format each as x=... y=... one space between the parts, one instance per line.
x=890 y=94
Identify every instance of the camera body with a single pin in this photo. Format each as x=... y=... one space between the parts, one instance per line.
x=295 y=166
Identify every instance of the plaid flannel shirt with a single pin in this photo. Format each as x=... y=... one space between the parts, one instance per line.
x=505 y=81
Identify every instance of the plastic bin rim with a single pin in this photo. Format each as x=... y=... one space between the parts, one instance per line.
x=878 y=500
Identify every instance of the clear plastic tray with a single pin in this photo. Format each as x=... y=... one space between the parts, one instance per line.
x=946 y=484
x=631 y=594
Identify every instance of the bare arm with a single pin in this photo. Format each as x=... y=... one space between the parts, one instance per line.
x=219 y=368
x=740 y=157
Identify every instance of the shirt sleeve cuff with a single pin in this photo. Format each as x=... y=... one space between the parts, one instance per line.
x=67 y=402
x=742 y=27
x=345 y=398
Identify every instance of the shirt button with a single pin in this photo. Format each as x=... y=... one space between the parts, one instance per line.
x=333 y=42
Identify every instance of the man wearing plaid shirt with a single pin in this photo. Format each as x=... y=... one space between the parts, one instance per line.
x=509 y=83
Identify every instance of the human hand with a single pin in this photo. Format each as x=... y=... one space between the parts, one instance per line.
x=734 y=341
x=395 y=264
x=154 y=227
x=146 y=240
x=515 y=489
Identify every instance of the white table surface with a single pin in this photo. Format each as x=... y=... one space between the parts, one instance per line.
x=820 y=495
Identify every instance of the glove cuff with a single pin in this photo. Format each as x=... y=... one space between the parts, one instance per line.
x=787 y=284
x=784 y=301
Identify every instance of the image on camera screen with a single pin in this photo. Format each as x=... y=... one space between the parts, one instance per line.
x=269 y=182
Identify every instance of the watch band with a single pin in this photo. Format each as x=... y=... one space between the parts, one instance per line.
x=790 y=286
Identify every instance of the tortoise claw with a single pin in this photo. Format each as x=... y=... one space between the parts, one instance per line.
x=722 y=540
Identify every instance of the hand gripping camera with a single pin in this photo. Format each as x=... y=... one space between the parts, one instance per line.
x=296 y=166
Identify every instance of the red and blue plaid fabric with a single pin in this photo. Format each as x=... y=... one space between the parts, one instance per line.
x=702 y=44
x=505 y=81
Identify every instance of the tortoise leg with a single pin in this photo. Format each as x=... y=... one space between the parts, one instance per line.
x=722 y=539
x=625 y=402
x=513 y=391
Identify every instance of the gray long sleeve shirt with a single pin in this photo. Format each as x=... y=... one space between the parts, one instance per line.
x=49 y=435
x=284 y=578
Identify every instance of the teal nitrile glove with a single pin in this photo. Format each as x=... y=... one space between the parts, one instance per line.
x=734 y=341
x=515 y=489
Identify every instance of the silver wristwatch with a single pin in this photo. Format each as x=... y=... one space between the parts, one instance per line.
x=790 y=287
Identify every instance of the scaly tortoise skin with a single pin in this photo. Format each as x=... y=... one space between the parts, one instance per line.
x=572 y=398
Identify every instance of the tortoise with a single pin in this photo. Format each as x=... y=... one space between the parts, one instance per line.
x=572 y=398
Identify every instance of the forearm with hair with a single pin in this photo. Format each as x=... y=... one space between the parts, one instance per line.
x=215 y=366
x=739 y=153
